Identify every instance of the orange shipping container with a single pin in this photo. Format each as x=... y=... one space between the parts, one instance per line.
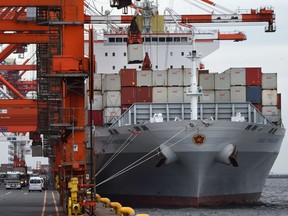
x=253 y=76
x=128 y=95
x=144 y=94
x=128 y=77
x=97 y=117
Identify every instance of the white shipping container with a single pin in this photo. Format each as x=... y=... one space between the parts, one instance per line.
x=144 y=78
x=111 y=114
x=159 y=78
x=97 y=82
x=159 y=94
x=97 y=101
x=222 y=81
x=222 y=96
x=269 y=97
x=175 y=77
x=175 y=94
x=111 y=99
x=207 y=81
x=269 y=81
x=187 y=76
x=111 y=82
x=271 y=112
x=186 y=98
x=238 y=93
x=208 y=96
x=135 y=53
x=237 y=76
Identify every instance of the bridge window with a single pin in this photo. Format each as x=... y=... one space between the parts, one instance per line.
x=147 y=39
x=154 y=39
x=176 y=39
x=169 y=39
x=111 y=40
x=161 y=39
x=118 y=40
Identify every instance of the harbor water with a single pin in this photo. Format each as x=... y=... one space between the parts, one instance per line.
x=273 y=201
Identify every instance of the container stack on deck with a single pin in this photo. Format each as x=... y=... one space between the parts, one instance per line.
x=114 y=93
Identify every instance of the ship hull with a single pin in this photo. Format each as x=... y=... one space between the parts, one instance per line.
x=191 y=171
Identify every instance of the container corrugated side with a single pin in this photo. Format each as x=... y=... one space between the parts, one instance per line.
x=222 y=96
x=97 y=117
x=97 y=101
x=254 y=76
x=175 y=77
x=159 y=94
x=97 y=82
x=128 y=95
x=237 y=76
x=111 y=82
x=207 y=81
x=144 y=94
x=144 y=78
x=186 y=98
x=271 y=112
x=269 y=81
x=111 y=114
x=111 y=98
x=254 y=94
x=269 y=97
x=128 y=77
x=159 y=78
x=175 y=94
x=222 y=81
x=187 y=76
x=208 y=96
x=238 y=94
x=279 y=101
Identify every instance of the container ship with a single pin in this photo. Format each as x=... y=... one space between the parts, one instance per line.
x=168 y=133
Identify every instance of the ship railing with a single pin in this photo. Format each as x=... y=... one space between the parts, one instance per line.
x=143 y=112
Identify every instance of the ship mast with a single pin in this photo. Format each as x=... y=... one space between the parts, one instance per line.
x=193 y=91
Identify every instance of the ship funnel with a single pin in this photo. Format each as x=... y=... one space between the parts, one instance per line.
x=228 y=155
x=168 y=156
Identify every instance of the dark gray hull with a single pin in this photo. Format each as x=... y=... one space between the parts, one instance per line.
x=190 y=174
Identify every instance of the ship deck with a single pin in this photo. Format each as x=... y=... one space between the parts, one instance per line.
x=143 y=112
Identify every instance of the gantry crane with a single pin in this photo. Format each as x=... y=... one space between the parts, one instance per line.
x=59 y=113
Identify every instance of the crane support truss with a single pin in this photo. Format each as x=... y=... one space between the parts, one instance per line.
x=60 y=109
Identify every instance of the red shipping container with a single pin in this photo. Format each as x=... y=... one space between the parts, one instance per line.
x=279 y=101
x=253 y=77
x=128 y=77
x=128 y=95
x=97 y=117
x=144 y=94
x=258 y=106
x=203 y=71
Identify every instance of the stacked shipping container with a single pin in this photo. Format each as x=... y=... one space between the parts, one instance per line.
x=114 y=93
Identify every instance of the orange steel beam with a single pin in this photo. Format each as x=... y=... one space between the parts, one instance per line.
x=13 y=25
x=232 y=36
x=17 y=67
x=24 y=38
x=18 y=115
x=24 y=63
x=29 y=3
x=10 y=87
x=7 y=51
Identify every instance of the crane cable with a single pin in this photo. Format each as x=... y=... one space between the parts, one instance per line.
x=142 y=159
x=121 y=148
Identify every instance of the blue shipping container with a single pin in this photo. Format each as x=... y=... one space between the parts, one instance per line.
x=254 y=94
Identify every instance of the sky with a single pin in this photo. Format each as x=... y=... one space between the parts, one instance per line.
x=265 y=50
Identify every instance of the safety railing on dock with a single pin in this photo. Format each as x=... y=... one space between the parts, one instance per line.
x=142 y=112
